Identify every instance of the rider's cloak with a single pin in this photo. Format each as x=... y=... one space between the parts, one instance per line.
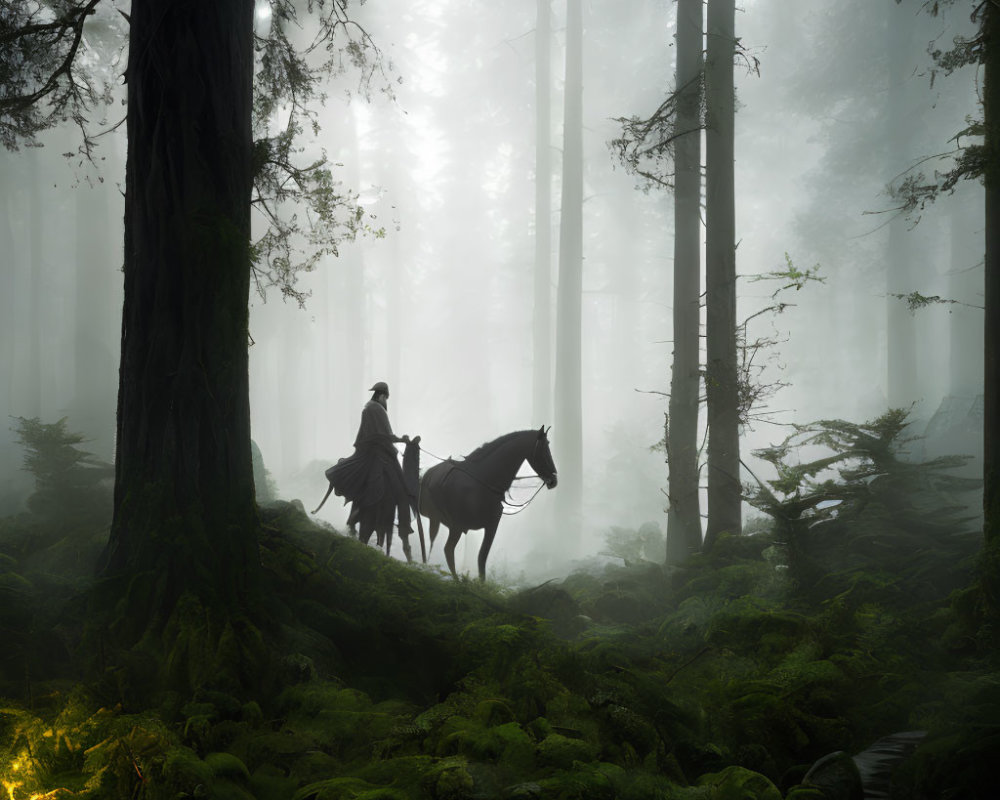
x=371 y=478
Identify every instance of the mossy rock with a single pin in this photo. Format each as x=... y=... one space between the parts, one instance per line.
x=805 y=793
x=269 y=782
x=494 y=712
x=837 y=776
x=406 y=773
x=738 y=783
x=583 y=782
x=315 y=765
x=340 y=788
x=450 y=779
x=226 y=765
x=183 y=770
x=561 y=751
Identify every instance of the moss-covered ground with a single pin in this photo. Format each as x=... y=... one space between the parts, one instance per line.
x=369 y=678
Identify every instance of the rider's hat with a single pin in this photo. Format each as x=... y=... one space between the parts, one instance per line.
x=381 y=387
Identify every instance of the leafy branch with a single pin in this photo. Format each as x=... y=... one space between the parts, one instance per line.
x=916 y=301
x=307 y=213
x=42 y=82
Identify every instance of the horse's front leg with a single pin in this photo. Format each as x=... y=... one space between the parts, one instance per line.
x=454 y=534
x=484 y=550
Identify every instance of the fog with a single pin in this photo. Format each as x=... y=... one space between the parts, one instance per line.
x=835 y=101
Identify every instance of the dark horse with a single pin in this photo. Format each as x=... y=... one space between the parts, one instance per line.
x=468 y=495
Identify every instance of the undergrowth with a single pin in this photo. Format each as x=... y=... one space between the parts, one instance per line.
x=724 y=678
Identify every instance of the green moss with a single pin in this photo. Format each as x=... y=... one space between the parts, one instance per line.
x=450 y=779
x=184 y=770
x=345 y=788
x=561 y=751
x=226 y=765
x=738 y=783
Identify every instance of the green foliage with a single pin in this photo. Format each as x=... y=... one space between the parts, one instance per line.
x=42 y=84
x=916 y=301
x=790 y=278
x=632 y=547
x=915 y=190
x=864 y=506
x=71 y=485
x=308 y=212
x=397 y=682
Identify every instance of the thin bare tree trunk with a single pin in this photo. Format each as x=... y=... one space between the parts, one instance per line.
x=724 y=488
x=542 y=317
x=568 y=425
x=902 y=260
x=991 y=378
x=684 y=511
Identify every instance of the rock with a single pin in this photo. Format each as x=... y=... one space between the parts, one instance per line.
x=876 y=764
x=739 y=783
x=837 y=776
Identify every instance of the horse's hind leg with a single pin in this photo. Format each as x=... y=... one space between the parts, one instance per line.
x=449 y=549
x=433 y=531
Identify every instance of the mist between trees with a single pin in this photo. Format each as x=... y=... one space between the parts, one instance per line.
x=451 y=174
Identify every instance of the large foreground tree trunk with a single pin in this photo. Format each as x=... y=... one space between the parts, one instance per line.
x=184 y=510
x=724 y=488
x=684 y=512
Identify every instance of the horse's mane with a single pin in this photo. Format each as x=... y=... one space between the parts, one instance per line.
x=488 y=447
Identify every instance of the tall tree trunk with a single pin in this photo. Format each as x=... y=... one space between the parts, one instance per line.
x=349 y=315
x=184 y=513
x=568 y=423
x=684 y=511
x=31 y=394
x=721 y=383
x=991 y=377
x=965 y=283
x=542 y=317
x=12 y=268
x=902 y=273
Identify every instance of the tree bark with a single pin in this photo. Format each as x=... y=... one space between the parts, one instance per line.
x=542 y=315
x=965 y=283
x=684 y=511
x=184 y=511
x=568 y=425
x=991 y=377
x=904 y=267
x=32 y=394
x=722 y=389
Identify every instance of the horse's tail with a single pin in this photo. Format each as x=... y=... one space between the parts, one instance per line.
x=324 y=498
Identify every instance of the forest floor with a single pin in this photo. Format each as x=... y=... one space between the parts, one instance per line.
x=378 y=680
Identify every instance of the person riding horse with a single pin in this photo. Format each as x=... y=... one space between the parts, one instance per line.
x=371 y=479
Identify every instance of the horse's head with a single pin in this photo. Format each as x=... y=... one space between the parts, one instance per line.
x=541 y=461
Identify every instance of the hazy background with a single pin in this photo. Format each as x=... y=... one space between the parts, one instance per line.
x=440 y=307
